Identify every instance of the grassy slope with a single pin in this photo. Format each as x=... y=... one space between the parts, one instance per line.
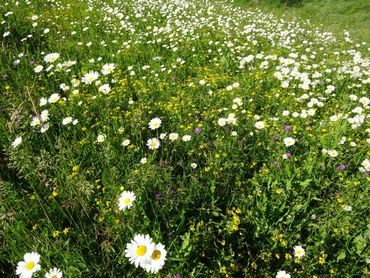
x=334 y=15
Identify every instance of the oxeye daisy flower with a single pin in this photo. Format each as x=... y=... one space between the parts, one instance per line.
x=299 y=252
x=35 y=121
x=44 y=115
x=17 y=142
x=52 y=57
x=67 y=120
x=186 y=138
x=54 y=273
x=282 y=274
x=38 y=69
x=107 y=69
x=126 y=199
x=155 y=123
x=139 y=249
x=54 y=98
x=105 y=89
x=126 y=142
x=366 y=164
x=143 y=160
x=173 y=136
x=221 y=121
x=43 y=101
x=90 y=77
x=156 y=260
x=332 y=153
x=101 y=138
x=153 y=143
x=289 y=141
x=259 y=125
x=29 y=266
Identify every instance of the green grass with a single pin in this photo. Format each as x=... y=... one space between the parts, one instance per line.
x=333 y=15
x=228 y=197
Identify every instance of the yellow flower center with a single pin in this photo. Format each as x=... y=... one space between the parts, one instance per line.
x=156 y=255
x=127 y=201
x=141 y=250
x=30 y=265
x=53 y=276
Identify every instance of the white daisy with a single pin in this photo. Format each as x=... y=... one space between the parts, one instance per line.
x=260 y=125
x=126 y=142
x=332 y=153
x=107 y=69
x=52 y=57
x=143 y=160
x=221 y=121
x=54 y=273
x=139 y=249
x=44 y=115
x=105 y=89
x=282 y=274
x=173 y=136
x=67 y=120
x=299 y=252
x=90 y=77
x=54 y=98
x=231 y=119
x=17 y=142
x=30 y=265
x=35 y=121
x=289 y=141
x=43 y=101
x=153 y=143
x=186 y=138
x=101 y=138
x=126 y=199
x=155 y=123
x=156 y=260
x=38 y=68
x=44 y=128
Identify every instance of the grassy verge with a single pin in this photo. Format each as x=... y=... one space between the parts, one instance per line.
x=333 y=15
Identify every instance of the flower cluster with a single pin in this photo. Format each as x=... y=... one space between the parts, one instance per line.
x=30 y=265
x=141 y=251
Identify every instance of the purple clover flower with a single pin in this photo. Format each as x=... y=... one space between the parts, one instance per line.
x=341 y=167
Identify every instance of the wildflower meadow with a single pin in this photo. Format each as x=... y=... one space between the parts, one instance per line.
x=170 y=138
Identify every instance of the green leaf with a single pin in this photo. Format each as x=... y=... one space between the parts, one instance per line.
x=341 y=256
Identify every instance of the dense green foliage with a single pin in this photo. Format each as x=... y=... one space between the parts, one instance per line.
x=272 y=119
